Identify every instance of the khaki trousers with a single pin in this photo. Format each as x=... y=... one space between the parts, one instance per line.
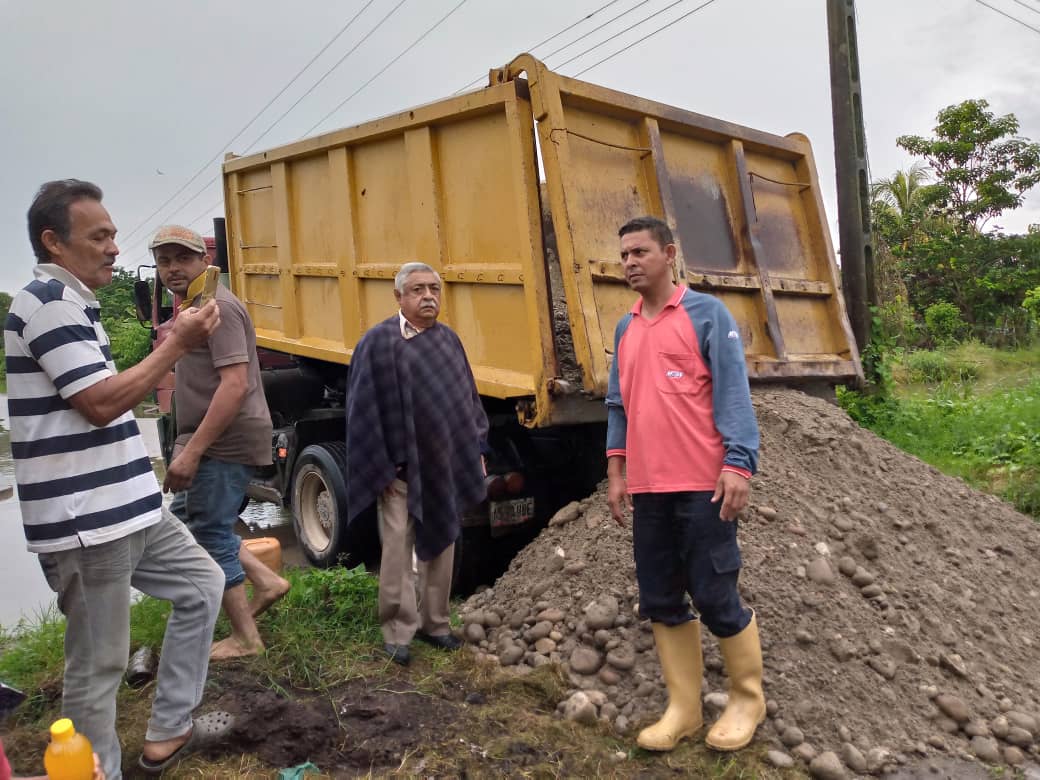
x=401 y=614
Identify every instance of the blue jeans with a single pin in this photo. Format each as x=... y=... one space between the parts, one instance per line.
x=683 y=547
x=209 y=507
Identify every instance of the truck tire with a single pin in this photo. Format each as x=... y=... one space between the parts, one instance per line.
x=319 y=502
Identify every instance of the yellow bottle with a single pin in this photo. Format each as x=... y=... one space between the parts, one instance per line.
x=69 y=755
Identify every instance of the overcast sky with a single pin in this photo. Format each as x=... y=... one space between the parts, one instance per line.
x=137 y=95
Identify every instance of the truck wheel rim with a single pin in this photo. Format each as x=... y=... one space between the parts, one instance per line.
x=317 y=510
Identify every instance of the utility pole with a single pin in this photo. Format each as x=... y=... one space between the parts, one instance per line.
x=850 y=159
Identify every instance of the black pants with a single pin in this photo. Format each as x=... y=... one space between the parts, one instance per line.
x=682 y=547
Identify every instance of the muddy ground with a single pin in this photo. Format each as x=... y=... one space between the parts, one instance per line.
x=898 y=608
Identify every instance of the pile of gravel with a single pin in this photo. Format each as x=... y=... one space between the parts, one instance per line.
x=897 y=607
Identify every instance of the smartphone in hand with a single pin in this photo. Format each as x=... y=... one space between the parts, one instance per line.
x=204 y=285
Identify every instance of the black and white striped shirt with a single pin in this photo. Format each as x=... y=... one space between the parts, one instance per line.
x=78 y=485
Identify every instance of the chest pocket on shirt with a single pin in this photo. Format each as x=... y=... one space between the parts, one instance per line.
x=678 y=373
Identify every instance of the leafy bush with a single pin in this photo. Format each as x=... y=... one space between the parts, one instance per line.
x=1031 y=303
x=868 y=409
x=130 y=342
x=944 y=322
x=895 y=319
x=933 y=366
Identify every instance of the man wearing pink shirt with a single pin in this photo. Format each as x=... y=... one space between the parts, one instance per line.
x=682 y=444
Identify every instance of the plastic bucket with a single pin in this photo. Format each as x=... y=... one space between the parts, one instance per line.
x=268 y=550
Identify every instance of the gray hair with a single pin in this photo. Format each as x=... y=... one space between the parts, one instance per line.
x=412 y=268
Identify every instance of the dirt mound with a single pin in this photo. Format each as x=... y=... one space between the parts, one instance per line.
x=897 y=607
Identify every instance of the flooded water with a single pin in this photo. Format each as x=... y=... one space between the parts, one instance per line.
x=24 y=593
x=23 y=590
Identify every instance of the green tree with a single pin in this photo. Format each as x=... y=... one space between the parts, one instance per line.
x=985 y=275
x=902 y=192
x=130 y=340
x=5 y=306
x=982 y=167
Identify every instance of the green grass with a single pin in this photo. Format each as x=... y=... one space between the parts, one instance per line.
x=324 y=624
x=970 y=411
x=327 y=617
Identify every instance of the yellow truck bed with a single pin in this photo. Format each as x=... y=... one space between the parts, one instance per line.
x=318 y=228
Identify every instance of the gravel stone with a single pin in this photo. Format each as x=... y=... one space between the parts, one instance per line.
x=986 y=749
x=585 y=660
x=853 y=758
x=792 y=736
x=804 y=752
x=953 y=707
x=779 y=759
x=827 y=766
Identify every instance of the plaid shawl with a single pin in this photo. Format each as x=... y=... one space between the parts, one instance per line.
x=414 y=403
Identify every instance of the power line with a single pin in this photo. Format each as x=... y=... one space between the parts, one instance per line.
x=205 y=213
x=248 y=124
x=285 y=113
x=552 y=37
x=1028 y=7
x=327 y=74
x=411 y=46
x=407 y=49
x=597 y=29
x=642 y=21
x=1009 y=16
x=644 y=38
x=570 y=27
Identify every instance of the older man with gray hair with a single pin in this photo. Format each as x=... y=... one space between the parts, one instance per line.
x=416 y=431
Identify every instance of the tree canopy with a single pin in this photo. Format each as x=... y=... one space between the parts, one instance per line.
x=982 y=168
x=929 y=220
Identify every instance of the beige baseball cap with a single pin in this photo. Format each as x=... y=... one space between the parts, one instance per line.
x=176 y=234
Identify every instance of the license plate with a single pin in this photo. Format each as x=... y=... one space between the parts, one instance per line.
x=512 y=512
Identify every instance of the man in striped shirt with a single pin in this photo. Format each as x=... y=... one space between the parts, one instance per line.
x=91 y=505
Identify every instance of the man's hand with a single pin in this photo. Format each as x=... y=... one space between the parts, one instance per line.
x=181 y=472
x=618 y=498
x=733 y=489
x=193 y=327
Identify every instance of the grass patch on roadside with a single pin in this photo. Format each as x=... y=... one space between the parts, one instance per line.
x=981 y=424
x=324 y=625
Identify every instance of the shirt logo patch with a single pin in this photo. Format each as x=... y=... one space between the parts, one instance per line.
x=674 y=374
x=732 y=335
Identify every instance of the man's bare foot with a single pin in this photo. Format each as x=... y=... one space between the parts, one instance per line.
x=163 y=749
x=232 y=647
x=264 y=597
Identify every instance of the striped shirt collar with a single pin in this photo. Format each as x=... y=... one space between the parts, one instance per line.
x=45 y=271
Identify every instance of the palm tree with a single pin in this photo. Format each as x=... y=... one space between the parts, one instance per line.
x=902 y=191
x=899 y=204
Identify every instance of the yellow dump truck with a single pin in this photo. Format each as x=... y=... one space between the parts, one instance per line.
x=514 y=193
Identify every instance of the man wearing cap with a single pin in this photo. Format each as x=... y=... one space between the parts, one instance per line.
x=223 y=433
x=90 y=504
